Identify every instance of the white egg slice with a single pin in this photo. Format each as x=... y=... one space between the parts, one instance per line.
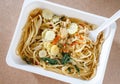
x=49 y=36
x=73 y=28
x=42 y=53
x=47 y=14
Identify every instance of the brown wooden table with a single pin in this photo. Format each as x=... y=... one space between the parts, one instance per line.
x=9 y=13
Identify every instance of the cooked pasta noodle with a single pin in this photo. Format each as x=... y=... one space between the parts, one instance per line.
x=60 y=44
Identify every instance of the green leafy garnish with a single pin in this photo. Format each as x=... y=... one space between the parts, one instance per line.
x=69 y=69
x=28 y=61
x=66 y=58
x=50 y=61
x=77 y=69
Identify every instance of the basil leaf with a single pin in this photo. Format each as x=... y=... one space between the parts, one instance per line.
x=66 y=58
x=69 y=69
x=50 y=61
x=28 y=61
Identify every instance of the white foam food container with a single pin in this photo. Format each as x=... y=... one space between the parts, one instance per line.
x=15 y=61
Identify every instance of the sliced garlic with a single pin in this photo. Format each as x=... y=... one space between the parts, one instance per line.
x=56 y=19
x=49 y=35
x=42 y=53
x=47 y=45
x=54 y=50
x=47 y=14
x=73 y=28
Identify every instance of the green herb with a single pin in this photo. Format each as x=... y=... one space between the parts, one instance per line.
x=66 y=58
x=50 y=61
x=77 y=69
x=69 y=69
x=28 y=61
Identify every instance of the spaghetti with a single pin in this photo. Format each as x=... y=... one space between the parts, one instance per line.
x=60 y=44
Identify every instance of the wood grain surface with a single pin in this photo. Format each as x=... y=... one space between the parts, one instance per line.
x=9 y=13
